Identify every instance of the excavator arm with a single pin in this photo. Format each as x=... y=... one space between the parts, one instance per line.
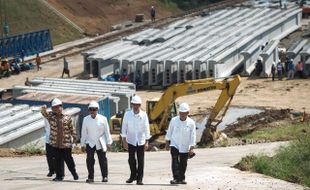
x=163 y=106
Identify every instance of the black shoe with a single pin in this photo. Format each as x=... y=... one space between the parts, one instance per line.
x=139 y=182
x=89 y=180
x=105 y=179
x=75 y=176
x=130 y=180
x=173 y=181
x=182 y=182
x=58 y=179
x=50 y=174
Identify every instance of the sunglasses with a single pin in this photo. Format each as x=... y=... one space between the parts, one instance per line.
x=92 y=109
x=57 y=106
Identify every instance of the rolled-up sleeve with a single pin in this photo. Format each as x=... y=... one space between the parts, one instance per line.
x=84 y=133
x=169 y=131
x=193 y=135
x=147 y=128
x=124 y=126
x=107 y=132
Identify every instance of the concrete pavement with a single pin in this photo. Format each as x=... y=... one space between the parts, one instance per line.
x=210 y=169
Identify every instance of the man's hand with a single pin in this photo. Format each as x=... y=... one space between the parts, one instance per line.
x=109 y=147
x=167 y=147
x=146 y=145
x=83 y=149
x=43 y=108
x=125 y=144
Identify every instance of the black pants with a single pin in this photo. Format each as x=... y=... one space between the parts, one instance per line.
x=51 y=160
x=179 y=164
x=90 y=161
x=63 y=154
x=136 y=173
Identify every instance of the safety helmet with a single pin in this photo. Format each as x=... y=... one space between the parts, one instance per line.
x=93 y=104
x=136 y=100
x=184 y=107
x=56 y=102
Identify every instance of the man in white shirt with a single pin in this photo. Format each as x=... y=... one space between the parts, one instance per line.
x=135 y=134
x=96 y=137
x=181 y=139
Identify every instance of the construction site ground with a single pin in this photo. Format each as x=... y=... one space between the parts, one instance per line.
x=210 y=169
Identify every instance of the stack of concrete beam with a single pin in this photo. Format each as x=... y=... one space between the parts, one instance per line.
x=117 y=93
x=305 y=59
x=20 y=124
x=214 y=46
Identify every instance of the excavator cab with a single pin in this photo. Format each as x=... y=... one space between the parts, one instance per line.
x=154 y=124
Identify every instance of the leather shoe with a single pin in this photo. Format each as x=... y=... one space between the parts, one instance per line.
x=50 y=174
x=130 y=180
x=182 y=182
x=174 y=181
x=89 y=180
x=139 y=182
x=58 y=179
x=75 y=176
x=105 y=179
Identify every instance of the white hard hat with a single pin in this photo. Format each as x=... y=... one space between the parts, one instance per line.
x=93 y=104
x=136 y=100
x=184 y=107
x=56 y=102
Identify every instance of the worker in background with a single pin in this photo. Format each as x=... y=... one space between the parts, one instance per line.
x=124 y=77
x=279 y=70
x=153 y=13
x=291 y=70
x=273 y=71
x=38 y=62
x=299 y=69
x=96 y=137
x=62 y=137
x=135 y=134
x=49 y=152
x=180 y=140
x=66 y=68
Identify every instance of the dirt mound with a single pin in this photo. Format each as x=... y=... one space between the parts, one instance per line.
x=98 y=16
x=251 y=123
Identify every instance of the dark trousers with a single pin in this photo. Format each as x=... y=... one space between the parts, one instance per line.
x=90 y=161
x=273 y=74
x=136 y=172
x=63 y=154
x=51 y=160
x=179 y=164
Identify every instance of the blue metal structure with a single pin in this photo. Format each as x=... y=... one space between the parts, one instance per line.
x=26 y=44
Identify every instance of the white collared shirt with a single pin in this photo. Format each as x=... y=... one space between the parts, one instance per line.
x=181 y=134
x=47 y=129
x=93 y=129
x=136 y=128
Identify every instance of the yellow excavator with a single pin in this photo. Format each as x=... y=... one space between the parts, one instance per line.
x=161 y=110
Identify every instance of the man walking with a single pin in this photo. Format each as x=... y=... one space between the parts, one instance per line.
x=135 y=134
x=96 y=136
x=181 y=139
x=62 y=137
x=66 y=69
x=153 y=13
x=291 y=70
x=49 y=152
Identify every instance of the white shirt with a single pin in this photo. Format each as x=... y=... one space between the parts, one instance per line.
x=47 y=129
x=181 y=134
x=136 y=128
x=93 y=129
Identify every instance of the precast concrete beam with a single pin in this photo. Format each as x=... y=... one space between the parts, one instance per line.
x=181 y=77
x=270 y=56
x=296 y=48
x=250 y=56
